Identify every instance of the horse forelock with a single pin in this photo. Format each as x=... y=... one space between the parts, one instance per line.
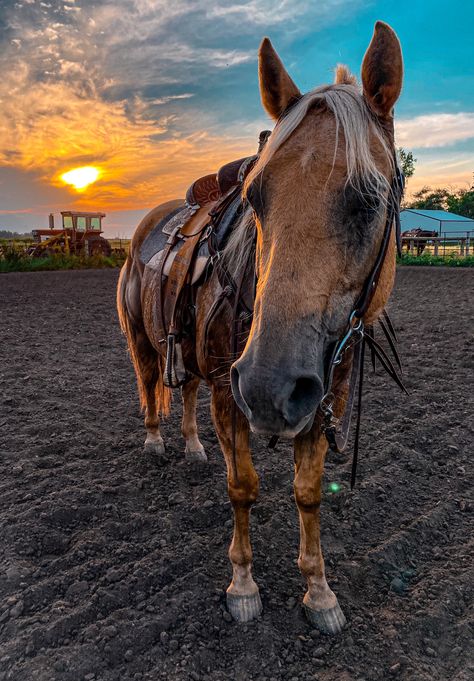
x=353 y=116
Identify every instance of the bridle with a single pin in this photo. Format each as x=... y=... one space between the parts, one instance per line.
x=357 y=336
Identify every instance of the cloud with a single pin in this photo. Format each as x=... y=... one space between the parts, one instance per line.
x=449 y=169
x=274 y=12
x=171 y=98
x=434 y=130
x=20 y=211
x=56 y=130
x=113 y=84
x=154 y=92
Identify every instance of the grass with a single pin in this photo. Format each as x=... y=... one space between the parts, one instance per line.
x=429 y=260
x=19 y=262
x=16 y=260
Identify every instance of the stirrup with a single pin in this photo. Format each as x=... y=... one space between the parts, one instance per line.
x=175 y=373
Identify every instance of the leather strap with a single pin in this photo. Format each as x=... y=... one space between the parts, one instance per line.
x=177 y=279
x=355 y=453
x=197 y=222
x=339 y=436
x=160 y=317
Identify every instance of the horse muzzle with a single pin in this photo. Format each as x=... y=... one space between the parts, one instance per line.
x=279 y=402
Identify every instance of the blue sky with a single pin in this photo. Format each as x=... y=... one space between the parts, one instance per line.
x=156 y=93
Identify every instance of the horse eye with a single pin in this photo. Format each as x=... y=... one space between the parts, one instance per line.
x=360 y=205
x=370 y=205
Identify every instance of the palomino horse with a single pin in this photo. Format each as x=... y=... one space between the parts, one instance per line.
x=319 y=200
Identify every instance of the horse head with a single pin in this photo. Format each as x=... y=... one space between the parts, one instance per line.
x=320 y=192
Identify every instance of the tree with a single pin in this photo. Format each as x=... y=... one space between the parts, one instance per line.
x=460 y=202
x=407 y=161
x=8 y=234
x=430 y=199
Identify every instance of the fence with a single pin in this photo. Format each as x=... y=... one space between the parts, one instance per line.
x=439 y=246
x=120 y=245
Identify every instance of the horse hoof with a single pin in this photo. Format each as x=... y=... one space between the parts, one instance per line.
x=329 y=621
x=154 y=447
x=195 y=456
x=244 y=608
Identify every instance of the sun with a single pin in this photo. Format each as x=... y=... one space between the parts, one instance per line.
x=80 y=178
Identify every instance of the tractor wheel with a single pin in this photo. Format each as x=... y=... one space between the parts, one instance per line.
x=99 y=246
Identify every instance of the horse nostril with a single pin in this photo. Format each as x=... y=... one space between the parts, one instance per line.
x=236 y=392
x=304 y=398
x=234 y=380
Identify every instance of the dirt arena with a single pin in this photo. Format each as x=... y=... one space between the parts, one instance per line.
x=113 y=565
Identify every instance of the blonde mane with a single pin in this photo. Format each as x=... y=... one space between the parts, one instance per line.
x=353 y=116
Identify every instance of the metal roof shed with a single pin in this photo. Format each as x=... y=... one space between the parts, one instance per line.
x=441 y=221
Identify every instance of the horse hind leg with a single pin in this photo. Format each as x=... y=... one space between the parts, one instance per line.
x=194 y=450
x=147 y=362
x=149 y=368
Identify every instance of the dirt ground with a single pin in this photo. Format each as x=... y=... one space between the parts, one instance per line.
x=113 y=565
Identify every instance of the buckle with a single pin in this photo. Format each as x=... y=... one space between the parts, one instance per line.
x=207 y=232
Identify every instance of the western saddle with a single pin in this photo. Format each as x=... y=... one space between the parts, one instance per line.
x=180 y=252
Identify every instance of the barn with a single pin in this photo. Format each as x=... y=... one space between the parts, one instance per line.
x=441 y=221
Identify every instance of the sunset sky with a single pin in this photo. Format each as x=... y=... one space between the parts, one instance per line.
x=154 y=93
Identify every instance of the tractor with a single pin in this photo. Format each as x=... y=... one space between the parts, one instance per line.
x=80 y=235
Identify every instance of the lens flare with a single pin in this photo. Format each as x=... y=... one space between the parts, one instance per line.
x=334 y=487
x=80 y=178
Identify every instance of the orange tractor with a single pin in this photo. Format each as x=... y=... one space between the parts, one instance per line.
x=80 y=235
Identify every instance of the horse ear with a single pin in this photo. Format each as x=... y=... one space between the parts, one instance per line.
x=277 y=90
x=382 y=70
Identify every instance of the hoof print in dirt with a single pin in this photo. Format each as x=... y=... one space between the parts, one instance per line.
x=244 y=608
x=331 y=621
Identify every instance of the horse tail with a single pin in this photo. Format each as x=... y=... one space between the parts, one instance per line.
x=147 y=362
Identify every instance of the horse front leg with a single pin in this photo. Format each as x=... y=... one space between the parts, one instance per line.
x=320 y=602
x=243 y=598
x=194 y=450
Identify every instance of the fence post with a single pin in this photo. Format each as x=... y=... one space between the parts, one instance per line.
x=461 y=243
x=436 y=247
x=412 y=246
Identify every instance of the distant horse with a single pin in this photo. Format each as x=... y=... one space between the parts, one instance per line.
x=319 y=200
x=416 y=234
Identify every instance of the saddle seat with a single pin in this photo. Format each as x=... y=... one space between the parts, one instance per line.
x=211 y=188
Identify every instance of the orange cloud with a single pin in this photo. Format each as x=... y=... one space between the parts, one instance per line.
x=454 y=171
x=50 y=129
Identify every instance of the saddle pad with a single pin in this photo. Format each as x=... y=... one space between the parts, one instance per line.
x=156 y=239
x=227 y=222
